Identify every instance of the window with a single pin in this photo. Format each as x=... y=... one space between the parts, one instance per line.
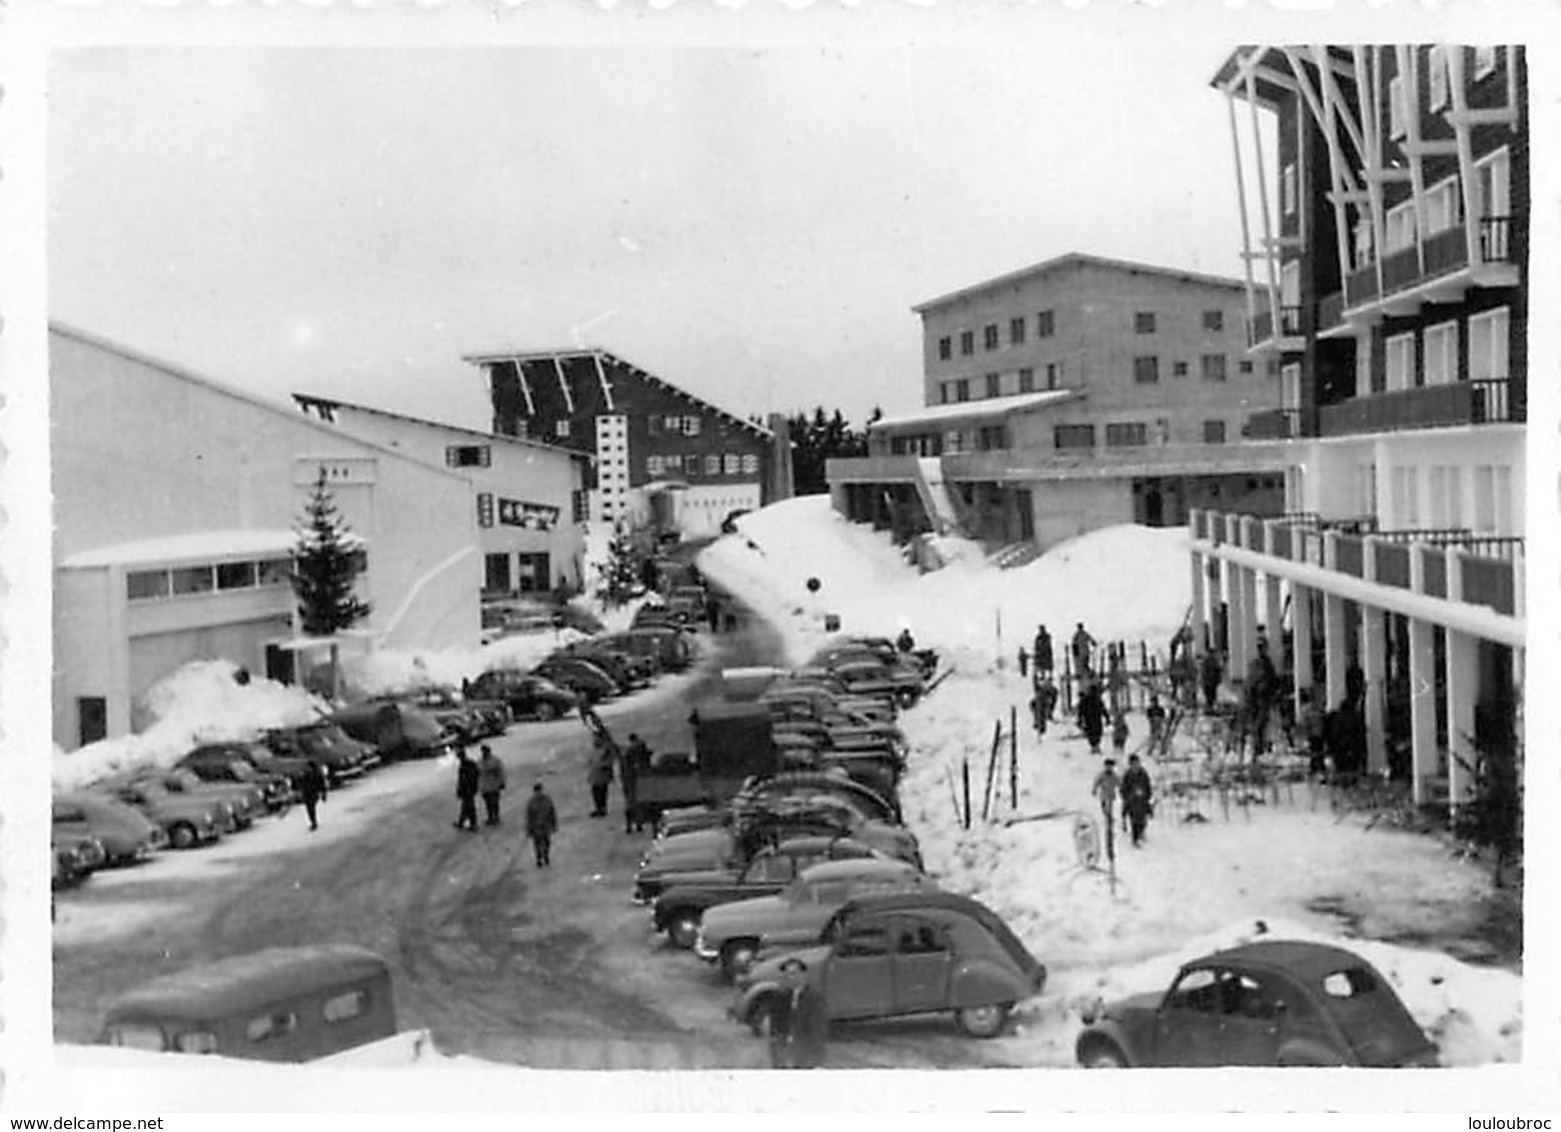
x=344 y=1006
x=750 y=464
x=653 y=424
x=1212 y=367
x=1406 y=492
x=235 y=575
x=1363 y=248
x=967 y=342
x=1397 y=110
x=267 y=1026
x=561 y=428
x=712 y=464
x=192 y=580
x=143 y=584
x=1488 y=345
x=468 y=456
x=865 y=941
x=1287 y=190
x=731 y=464
x=1133 y=435
x=1484 y=60
x=989 y=336
x=655 y=466
x=1441 y=353
x=1074 y=436
x=921 y=939
x=1400 y=232
x=1027 y=380
x=1442 y=206
x=1053 y=374
x=137 y=1035
x=1348 y=983
x=1045 y=324
x=1015 y=331
x=962 y=389
x=943 y=392
x=1178 y=369
x=1214 y=432
x=276 y=571
x=1400 y=362
x=994 y=385
x=1436 y=67
x=690 y=426
x=1196 y=990
x=1146 y=370
x=945 y=348
x=1143 y=322
x=1244 y=365
x=772 y=867
x=1214 y=321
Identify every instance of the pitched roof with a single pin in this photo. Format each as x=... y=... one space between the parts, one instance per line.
x=1080 y=259
x=307 y=401
x=607 y=357
x=987 y=407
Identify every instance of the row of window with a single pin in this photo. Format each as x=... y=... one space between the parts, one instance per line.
x=672 y=425
x=1438 y=85
x=714 y=464
x=1128 y=434
x=1146 y=371
x=1144 y=322
x=1440 y=496
x=149 y=585
x=1441 y=348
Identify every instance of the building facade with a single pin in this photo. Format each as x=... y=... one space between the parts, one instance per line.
x=174 y=503
x=1069 y=395
x=529 y=498
x=660 y=456
x=1393 y=292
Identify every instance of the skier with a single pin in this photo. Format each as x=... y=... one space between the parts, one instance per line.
x=1092 y=716
x=600 y=779
x=1046 y=693
x=1105 y=790
x=1119 y=733
x=1137 y=798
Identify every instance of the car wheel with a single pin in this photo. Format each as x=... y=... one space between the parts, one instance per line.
x=684 y=929
x=737 y=957
x=908 y=698
x=1102 y=1055
x=182 y=836
x=546 y=711
x=982 y=1021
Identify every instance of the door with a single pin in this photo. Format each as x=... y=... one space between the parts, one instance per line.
x=1187 y=1025
x=923 y=960
x=91 y=718
x=859 y=975
x=496 y=577
x=279 y=664
x=1249 y=1027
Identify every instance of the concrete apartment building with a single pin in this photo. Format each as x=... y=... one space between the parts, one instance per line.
x=1070 y=395
x=1396 y=304
x=528 y=498
x=174 y=503
x=660 y=456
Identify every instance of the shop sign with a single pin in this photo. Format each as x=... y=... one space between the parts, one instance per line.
x=533 y=516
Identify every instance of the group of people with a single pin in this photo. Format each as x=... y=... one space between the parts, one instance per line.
x=606 y=765
x=1135 y=792
x=485 y=778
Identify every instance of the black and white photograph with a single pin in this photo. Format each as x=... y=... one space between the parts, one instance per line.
x=584 y=556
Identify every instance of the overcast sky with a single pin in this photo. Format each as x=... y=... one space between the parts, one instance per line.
x=750 y=224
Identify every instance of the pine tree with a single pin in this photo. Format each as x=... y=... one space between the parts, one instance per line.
x=622 y=572
x=328 y=564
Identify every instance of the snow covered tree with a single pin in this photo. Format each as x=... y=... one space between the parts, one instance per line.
x=328 y=560
x=621 y=573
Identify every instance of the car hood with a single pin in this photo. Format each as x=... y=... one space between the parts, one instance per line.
x=1125 y=1009
x=763 y=916
x=701 y=878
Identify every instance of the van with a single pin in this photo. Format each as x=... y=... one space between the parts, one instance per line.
x=282 y=1004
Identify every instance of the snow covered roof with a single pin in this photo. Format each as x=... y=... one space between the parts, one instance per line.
x=970 y=410
x=324 y=408
x=1081 y=259
x=196 y=546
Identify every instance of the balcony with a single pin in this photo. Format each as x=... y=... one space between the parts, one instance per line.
x=1292 y=329
x=1430 y=406
x=1436 y=269
x=1330 y=315
x=1273 y=424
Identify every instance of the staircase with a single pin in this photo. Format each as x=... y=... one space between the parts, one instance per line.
x=935 y=497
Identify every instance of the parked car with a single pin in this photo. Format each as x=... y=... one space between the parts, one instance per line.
x=341 y=757
x=287 y=1004
x=625 y=673
x=819 y=689
x=732 y=935
x=187 y=821
x=528 y=696
x=126 y=833
x=248 y=800
x=678 y=910
x=442 y=705
x=668 y=647
x=859 y=671
x=1273 y=1002
x=237 y=762
x=509 y=617
x=76 y=857
x=915 y=952
x=580 y=676
x=395 y=729
x=656 y=615
x=687 y=604
x=784 y=784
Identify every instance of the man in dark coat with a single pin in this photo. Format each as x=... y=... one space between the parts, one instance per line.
x=1092 y=716
x=636 y=762
x=467 y=779
x=599 y=778
x=799 y=1021
x=541 y=824
x=1042 y=652
x=490 y=782
x=1137 y=797
x=1083 y=645
x=1210 y=672
x=312 y=789
x=1046 y=694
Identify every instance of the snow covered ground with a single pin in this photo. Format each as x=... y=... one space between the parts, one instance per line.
x=1194 y=886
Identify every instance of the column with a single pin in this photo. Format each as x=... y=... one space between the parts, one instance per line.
x=1301 y=623
x=1195 y=619
x=1334 y=641
x=1463 y=676
x=1244 y=641
x=1273 y=617
x=1374 y=661
x=1422 y=684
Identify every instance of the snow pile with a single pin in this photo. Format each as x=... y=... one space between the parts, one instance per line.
x=1196 y=885
x=199 y=703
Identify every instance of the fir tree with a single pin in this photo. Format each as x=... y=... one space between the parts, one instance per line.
x=327 y=566
x=621 y=572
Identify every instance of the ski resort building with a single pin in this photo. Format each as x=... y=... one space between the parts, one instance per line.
x=1391 y=287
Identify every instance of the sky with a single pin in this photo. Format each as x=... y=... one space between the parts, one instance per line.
x=750 y=222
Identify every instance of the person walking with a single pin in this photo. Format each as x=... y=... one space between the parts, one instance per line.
x=636 y=762
x=1116 y=676
x=1119 y=732
x=1038 y=713
x=1137 y=798
x=1082 y=647
x=1046 y=693
x=541 y=824
x=1041 y=653
x=490 y=782
x=600 y=779
x=1092 y=716
x=1261 y=680
x=1105 y=789
x=466 y=779
x=1155 y=714
x=905 y=642
x=1210 y=672
x=312 y=790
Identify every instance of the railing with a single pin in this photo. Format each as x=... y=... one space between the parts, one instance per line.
x=1429 y=406
x=1273 y=424
x=1393 y=564
x=1281 y=536
x=1292 y=323
x=1360 y=286
x=1445 y=251
x=1436 y=572
x=1437 y=536
x=1504 y=547
x=1400 y=268
x=1494 y=247
x=1330 y=311
x=1490 y=581
x=1349 y=556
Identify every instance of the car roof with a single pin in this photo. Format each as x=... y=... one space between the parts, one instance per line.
x=859 y=868
x=922 y=900
x=1300 y=957
x=244 y=982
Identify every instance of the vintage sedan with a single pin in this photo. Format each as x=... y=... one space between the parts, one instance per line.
x=1273 y=1002
x=580 y=676
x=187 y=821
x=238 y=762
x=916 y=952
x=732 y=935
x=341 y=757
x=528 y=696
x=126 y=833
x=248 y=800
x=688 y=895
